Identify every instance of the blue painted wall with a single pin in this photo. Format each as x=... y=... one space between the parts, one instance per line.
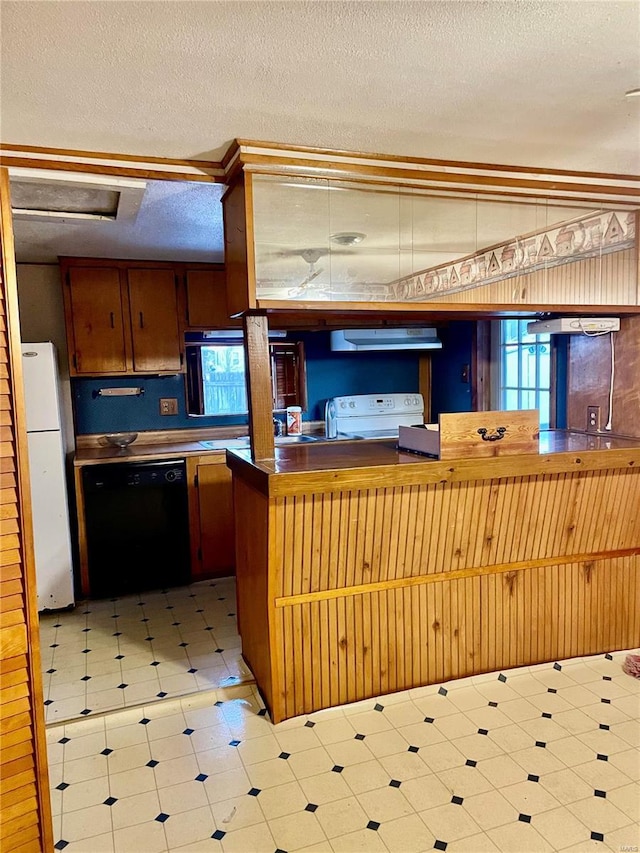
x=328 y=374
x=124 y=414
x=449 y=392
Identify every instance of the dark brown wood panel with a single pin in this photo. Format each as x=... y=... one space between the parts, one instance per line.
x=207 y=300
x=255 y=602
x=237 y=208
x=589 y=378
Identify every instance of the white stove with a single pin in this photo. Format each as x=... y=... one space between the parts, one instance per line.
x=372 y=415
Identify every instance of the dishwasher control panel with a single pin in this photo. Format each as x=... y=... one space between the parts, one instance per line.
x=170 y=472
x=155 y=476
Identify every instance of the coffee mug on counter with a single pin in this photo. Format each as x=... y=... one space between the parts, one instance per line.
x=294 y=420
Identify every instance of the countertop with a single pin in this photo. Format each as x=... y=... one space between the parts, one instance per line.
x=329 y=466
x=330 y=454
x=141 y=451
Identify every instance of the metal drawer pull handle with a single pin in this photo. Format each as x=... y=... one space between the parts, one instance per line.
x=112 y=318
x=141 y=321
x=496 y=436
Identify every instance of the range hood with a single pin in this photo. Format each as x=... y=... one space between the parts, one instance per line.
x=361 y=340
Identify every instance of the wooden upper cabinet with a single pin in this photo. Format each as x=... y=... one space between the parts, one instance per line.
x=153 y=302
x=207 y=300
x=95 y=328
x=123 y=317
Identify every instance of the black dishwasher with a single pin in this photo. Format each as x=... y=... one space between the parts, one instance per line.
x=137 y=526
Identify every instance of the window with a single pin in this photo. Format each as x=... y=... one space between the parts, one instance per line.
x=524 y=363
x=223 y=387
x=216 y=378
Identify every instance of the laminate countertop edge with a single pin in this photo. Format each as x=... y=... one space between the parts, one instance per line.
x=319 y=468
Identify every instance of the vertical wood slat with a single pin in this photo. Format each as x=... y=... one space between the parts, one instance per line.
x=449 y=648
x=475 y=624
x=26 y=820
x=347 y=538
x=258 y=376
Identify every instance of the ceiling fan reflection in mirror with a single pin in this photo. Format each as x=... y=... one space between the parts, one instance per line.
x=311 y=256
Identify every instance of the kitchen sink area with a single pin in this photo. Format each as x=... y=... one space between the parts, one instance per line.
x=243 y=441
x=223 y=443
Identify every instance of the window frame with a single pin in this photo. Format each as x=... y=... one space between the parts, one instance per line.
x=278 y=351
x=498 y=347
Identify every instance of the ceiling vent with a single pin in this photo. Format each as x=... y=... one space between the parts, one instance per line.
x=68 y=197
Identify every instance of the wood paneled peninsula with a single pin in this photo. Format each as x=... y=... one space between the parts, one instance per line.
x=363 y=570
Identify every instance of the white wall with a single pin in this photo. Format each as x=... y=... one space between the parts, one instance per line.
x=42 y=319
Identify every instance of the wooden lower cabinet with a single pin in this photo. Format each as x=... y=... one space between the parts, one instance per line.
x=211 y=517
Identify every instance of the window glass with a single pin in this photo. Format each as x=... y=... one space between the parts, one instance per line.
x=223 y=383
x=525 y=369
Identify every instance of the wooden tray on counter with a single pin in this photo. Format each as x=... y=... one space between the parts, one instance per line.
x=474 y=434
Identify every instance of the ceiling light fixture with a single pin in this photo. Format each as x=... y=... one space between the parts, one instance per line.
x=632 y=93
x=348 y=238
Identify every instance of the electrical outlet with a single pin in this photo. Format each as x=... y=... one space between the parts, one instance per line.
x=168 y=405
x=593 y=418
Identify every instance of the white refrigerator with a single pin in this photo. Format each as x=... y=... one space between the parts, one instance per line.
x=50 y=510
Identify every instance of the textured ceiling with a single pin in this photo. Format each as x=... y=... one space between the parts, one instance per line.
x=535 y=83
x=176 y=222
x=518 y=82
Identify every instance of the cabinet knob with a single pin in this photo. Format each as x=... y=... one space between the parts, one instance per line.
x=112 y=319
x=141 y=321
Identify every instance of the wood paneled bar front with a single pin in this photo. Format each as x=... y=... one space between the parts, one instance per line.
x=362 y=570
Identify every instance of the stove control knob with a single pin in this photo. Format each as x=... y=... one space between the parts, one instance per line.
x=343 y=405
x=352 y=404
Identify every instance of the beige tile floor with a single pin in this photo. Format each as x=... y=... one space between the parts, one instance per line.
x=545 y=758
x=122 y=652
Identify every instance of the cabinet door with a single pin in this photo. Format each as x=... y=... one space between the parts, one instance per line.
x=217 y=528
x=154 y=320
x=95 y=327
x=207 y=300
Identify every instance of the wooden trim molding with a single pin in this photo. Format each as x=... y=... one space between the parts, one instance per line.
x=439 y=577
x=471 y=309
x=238 y=146
x=106 y=163
x=455 y=175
